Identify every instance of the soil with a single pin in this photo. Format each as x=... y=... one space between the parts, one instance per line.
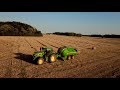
x=101 y=62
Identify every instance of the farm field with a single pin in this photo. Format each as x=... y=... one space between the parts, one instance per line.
x=102 y=62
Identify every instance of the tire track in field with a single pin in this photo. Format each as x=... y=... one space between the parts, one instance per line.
x=9 y=67
x=74 y=41
x=110 y=72
x=92 y=70
x=23 y=47
x=22 y=70
x=66 y=42
x=41 y=43
x=56 y=70
x=47 y=44
x=8 y=73
x=101 y=66
x=30 y=44
x=55 y=43
x=52 y=42
x=7 y=47
x=25 y=65
x=16 y=66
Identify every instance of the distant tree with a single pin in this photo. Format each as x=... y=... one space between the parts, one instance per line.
x=18 y=29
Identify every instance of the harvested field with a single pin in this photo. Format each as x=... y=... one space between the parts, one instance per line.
x=101 y=62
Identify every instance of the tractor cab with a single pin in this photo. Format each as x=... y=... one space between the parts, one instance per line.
x=46 y=49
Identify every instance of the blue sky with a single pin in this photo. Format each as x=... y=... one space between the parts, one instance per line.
x=78 y=22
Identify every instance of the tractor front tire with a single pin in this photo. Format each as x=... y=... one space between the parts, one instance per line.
x=52 y=58
x=40 y=61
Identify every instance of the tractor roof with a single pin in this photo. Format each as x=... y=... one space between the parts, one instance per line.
x=47 y=48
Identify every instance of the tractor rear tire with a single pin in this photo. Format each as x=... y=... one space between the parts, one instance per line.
x=52 y=58
x=72 y=57
x=40 y=61
x=68 y=57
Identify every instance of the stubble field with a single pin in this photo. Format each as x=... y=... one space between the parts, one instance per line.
x=102 y=62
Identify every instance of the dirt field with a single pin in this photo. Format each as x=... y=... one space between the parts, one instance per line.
x=102 y=62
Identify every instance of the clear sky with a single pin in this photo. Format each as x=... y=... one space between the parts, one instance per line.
x=78 y=22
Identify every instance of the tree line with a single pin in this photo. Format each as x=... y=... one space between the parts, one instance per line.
x=18 y=29
x=105 y=36
x=93 y=35
x=68 y=34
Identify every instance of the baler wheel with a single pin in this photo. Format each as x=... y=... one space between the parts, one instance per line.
x=68 y=57
x=72 y=57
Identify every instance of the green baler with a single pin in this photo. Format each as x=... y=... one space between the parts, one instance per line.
x=66 y=53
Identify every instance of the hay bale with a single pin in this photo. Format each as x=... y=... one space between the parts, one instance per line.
x=93 y=48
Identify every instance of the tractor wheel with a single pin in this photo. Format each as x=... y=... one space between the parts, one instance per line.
x=40 y=61
x=72 y=57
x=52 y=58
x=68 y=57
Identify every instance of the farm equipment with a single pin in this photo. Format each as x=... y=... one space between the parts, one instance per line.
x=47 y=54
x=66 y=53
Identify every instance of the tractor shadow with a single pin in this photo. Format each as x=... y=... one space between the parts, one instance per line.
x=25 y=57
x=60 y=59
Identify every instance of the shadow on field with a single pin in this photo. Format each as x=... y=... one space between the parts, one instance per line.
x=24 y=57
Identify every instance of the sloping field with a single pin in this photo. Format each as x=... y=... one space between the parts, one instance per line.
x=102 y=62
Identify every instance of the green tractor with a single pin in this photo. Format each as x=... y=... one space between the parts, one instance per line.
x=47 y=54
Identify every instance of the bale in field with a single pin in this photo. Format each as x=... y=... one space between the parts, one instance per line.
x=93 y=48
